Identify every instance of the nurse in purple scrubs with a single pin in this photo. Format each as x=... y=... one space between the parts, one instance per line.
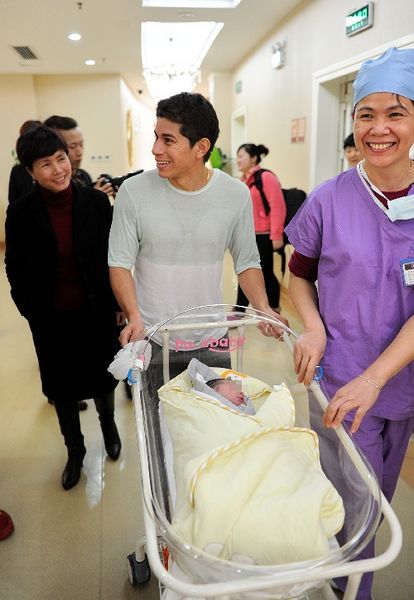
x=355 y=236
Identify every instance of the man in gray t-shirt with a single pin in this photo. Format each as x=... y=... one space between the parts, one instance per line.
x=172 y=226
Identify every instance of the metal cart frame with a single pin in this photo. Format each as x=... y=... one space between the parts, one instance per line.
x=148 y=547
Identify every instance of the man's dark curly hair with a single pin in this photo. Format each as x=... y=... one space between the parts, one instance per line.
x=196 y=116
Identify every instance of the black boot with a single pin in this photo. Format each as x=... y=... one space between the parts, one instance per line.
x=68 y=416
x=72 y=471
x=105 y=407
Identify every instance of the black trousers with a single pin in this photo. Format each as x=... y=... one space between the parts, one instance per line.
x=69 y=421
x=265 y=247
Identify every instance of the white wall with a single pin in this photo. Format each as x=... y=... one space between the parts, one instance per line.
x=143 y=121
x=17 y=104
x=95 y=103
x=220 y=97
x=315 y=39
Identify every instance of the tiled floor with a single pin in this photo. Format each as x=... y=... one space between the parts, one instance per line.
x=72 y=545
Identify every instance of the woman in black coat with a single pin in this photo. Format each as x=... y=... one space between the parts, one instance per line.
x=56 y=263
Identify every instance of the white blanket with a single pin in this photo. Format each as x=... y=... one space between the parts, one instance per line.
x=248 y=486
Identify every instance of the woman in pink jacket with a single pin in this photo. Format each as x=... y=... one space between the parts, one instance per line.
x=269 y=215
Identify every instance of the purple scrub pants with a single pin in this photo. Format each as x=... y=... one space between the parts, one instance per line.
x=384 y=443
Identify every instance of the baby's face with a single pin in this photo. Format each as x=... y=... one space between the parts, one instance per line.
x=231 y=390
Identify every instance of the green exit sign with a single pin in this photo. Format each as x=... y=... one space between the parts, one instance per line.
x=359 y=19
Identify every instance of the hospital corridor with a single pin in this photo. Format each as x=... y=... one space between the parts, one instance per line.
x=72 y=545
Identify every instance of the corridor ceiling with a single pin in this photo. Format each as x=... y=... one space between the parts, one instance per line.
x=110 y=32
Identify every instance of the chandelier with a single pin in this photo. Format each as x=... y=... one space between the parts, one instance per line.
x=169 y=80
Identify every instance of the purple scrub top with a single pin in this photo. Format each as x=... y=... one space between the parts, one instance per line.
x=362 y=298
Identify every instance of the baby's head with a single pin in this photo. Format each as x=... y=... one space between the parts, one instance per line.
x=229 y=389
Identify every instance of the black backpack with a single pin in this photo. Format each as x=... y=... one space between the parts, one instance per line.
x=294 y=198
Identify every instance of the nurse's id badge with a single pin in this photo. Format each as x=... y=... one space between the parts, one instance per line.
x=407 y=267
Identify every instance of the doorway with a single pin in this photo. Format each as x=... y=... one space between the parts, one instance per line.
x=238 y=135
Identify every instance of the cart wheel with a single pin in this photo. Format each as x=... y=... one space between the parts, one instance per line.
x=138 y=572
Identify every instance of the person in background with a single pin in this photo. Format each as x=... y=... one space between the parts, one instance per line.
x=69 y=129
x=351 y=152
x=20 y=182
x=268 y=224
x=355 y=235
x=56 y=264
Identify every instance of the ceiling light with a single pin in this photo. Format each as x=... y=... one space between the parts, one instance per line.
x=165 y=50
x=89 y=62
x=173 y=43
x=74 y=37
x=191 y=3
x=171 y=80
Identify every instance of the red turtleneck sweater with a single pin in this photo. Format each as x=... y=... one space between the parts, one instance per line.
x=70 y=293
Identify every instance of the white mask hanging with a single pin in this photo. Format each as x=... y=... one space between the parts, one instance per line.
x=399 y=209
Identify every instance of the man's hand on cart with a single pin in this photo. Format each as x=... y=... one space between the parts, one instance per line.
x=360 y=395
x=307 y=353
x=271 y=329
x=134 y=330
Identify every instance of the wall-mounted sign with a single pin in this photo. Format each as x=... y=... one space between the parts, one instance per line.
x=130 y=137
x=359 y=19
x=297 y=131
x=238 y=86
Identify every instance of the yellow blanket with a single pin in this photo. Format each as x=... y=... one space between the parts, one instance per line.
x=249 y=488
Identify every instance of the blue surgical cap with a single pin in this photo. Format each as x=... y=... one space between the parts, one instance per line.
x=392 y=72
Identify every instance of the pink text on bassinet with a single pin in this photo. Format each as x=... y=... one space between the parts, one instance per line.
x=224 y=344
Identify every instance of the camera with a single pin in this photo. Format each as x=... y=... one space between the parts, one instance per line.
x=117 y=181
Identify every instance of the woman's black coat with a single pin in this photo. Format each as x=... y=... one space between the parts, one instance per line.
x=31 y=263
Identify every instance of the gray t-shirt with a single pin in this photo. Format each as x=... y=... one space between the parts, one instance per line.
x=175 y=240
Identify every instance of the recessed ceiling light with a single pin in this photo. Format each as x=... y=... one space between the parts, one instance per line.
x=191 y=3
x=90 y=62
x=74 y=37
x=165 y=44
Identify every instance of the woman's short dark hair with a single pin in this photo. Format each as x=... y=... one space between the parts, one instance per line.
x=30 y=124
x=255 y=151
x=195 y=115
x=38 y=142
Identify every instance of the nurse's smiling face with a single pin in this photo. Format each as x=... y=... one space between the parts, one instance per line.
x=384 y=130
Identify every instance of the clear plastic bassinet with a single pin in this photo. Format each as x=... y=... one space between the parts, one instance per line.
x=221 y=333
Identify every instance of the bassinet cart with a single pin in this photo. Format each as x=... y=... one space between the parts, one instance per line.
x=187 y=572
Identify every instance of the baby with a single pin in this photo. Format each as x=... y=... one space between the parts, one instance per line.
x=228 y=391
x=231 y=390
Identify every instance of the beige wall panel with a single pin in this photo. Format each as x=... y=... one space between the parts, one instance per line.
x=95 y=103
x=17 y=104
